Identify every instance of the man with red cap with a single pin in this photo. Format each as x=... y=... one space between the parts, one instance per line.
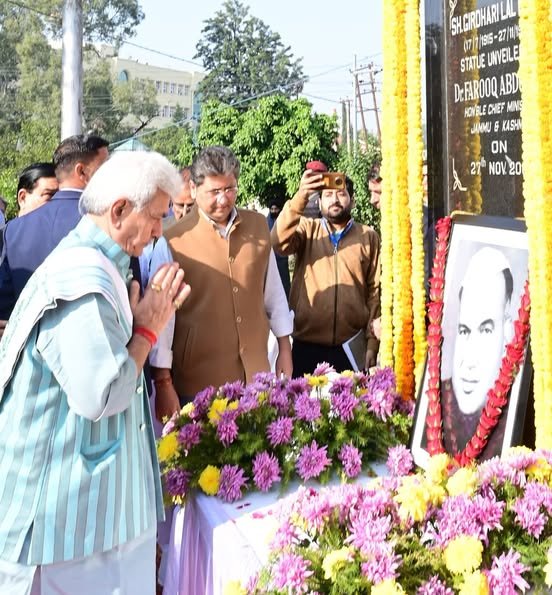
x=335 y=285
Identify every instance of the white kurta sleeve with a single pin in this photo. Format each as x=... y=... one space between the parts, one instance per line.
x=276 y=304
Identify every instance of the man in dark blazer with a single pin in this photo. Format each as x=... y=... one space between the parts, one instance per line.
x=28 y=240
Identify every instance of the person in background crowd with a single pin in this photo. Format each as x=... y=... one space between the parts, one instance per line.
x=37 y=184
x=28 y=240
x=81 y=491
x=184 y=202
x=221 y=335
x=275 y=208
x=3 y=207
x=374 y=185
x=335 y=286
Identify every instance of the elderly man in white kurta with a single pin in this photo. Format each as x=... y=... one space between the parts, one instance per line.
x=80 y=492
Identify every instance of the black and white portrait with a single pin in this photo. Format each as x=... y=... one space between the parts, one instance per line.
x=485 y=277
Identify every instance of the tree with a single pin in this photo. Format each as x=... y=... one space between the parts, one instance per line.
x=244 y=58
x=175 y=142
x=273 y=140
x=136 y=100
x=358 y=167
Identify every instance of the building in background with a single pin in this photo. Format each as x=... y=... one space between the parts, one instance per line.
x=174 y=87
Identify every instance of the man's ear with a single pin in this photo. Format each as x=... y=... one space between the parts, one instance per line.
x=117 y=211
x=193 y=189
x=21 y=196
x=79 y=170
x=508 y=329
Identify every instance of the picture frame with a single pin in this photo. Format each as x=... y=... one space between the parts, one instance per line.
x=476 y=325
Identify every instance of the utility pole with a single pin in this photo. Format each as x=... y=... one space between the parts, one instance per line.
x=355 y=106
x=71 y=77
x=373 y=85
x=349 y=139
x=361 y=109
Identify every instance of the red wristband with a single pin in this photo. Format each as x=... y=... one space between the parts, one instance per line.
x=149 y=335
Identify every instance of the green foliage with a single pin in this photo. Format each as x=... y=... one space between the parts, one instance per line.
x=244 y=58
x=175 y=142
x=273 y=140
x=358 y=167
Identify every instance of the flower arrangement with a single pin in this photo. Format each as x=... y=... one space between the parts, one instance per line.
x=238 y=438
x=476 y=530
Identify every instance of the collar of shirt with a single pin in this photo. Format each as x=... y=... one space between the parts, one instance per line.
x=223 y=231
x=88 y=230
x=335 y=236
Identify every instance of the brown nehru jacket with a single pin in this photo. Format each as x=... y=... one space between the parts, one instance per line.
x=221 y=331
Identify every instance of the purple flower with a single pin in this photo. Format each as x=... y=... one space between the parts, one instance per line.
x=381 y=395
x=227 y=428
x=202 y=401
x=351 y=459
x=505 y=574
x=381 y=565
x=434 y=586
x=307 y=408
x=266 y=470
x=298 y=386
x=399 y=460
x=279 y=431
x=312 y=460
x=189 y=435
x=342 y=398
x=323 y=369
x=290 y=573
x=369 y=532
x=286 y=534
x=278 y=397
x=249 y=401
x=177 y=482
x=170 y=426
x=232 y=390
x=263 y=380
x=232 y=480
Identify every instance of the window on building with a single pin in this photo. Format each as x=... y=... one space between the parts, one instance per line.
x=165 y=87
x=180 y=89
x=173 y=88
x=160 y=112
x=172 y=111
x=123 y=76
x=158 y=86
x=186 y=112
x=186 y=89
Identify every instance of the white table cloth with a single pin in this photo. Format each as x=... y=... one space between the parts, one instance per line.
x=213 y=543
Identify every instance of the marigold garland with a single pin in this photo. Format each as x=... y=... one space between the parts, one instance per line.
x=535 y=74
x=498 y=395
x=401 y=269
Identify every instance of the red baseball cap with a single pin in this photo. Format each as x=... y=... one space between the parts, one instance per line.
x=316 y=166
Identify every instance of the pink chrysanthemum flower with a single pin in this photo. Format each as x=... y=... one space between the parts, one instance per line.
x=266 y=470
x=399 y=460
x=291 y=573
x=232 y=480
x=312 y=460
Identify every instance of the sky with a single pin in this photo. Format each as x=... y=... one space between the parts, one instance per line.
x=325 y=34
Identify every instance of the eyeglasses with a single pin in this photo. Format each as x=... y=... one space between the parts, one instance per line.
x=230 y=191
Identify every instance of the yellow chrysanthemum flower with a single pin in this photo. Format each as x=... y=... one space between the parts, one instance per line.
x=412 y=496
x=540 y=471
x=463 y=554
x=209 y=480
x=435 y=493
x=218 y=407
x=387 y=587
x=233 y=405
x=167 y=447
x=317 y=381
x=334 y=561
x=464 y=481
x=348 y=373
x=188 y=409
x=437 y=469
x=234 y=588
x=474 y=584
x=548 y=569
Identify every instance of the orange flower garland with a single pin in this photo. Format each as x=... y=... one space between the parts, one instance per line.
x=498 y=395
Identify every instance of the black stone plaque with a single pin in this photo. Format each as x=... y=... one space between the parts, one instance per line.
x=474 y=104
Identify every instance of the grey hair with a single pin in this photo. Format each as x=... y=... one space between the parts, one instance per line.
x=214 y=161
x=136 y=176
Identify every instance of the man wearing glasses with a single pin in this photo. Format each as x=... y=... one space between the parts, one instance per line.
x=221 y=335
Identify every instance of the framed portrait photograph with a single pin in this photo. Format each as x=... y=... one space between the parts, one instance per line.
x=485 y=275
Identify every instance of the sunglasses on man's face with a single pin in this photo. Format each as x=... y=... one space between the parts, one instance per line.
x=375 y=178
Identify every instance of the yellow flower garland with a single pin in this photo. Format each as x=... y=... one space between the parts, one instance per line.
x=415 y=185
x=535 y=73
x=403 y=297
